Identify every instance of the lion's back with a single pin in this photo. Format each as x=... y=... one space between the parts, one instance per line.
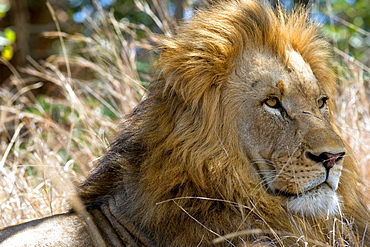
x=62 y=230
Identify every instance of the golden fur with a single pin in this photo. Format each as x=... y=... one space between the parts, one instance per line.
x=180 y=152
x=194 y=160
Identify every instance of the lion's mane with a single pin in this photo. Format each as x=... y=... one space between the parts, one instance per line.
x=177 y=164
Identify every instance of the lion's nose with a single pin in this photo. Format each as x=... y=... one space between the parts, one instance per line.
x=326 y=159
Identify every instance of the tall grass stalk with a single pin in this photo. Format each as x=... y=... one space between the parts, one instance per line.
x=49 y=143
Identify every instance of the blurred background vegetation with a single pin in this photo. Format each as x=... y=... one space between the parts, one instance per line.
x=22 y=23
x=70 y=69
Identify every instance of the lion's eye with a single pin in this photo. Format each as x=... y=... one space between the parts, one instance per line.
x=322 y=102
x=273 y=102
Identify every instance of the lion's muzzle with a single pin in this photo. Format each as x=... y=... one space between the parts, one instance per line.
x=328 y=160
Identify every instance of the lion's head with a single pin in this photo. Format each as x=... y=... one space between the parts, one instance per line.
x=285 y=131
x=235 y=133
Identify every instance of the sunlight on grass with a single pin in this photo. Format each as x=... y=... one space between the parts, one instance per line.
x=49 y=142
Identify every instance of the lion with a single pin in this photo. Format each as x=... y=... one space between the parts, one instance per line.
x=234 y=145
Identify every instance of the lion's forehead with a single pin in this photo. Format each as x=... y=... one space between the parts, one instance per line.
x=290 y=75
x=302 y=72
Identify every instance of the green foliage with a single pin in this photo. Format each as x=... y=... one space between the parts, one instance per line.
x=7 y=39
x=348 y=26
x=7 y=36
x=59 y=112
x=4 y=7
x=123 y=10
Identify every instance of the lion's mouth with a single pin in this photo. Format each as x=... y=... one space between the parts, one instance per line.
x=285 y=194
x=320 y=201
x=311 y=191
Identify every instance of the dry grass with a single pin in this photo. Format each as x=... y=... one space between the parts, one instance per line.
x=353 y=115
x=48 y=144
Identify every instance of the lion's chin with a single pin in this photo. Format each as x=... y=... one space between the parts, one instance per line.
x=321 y=201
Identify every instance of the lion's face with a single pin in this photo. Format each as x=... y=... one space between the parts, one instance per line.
x=286 y=134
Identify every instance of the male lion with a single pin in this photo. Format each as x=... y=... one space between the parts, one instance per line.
x=235 y=142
